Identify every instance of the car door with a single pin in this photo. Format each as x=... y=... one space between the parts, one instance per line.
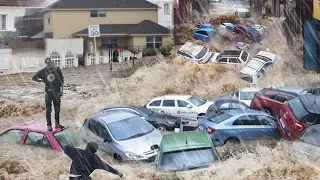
x=234 y=60
x=247 y=127
x=155 y=106
x=269 y=127
x=223 y=60
x=169 y=107
x=98 y=133
x=37 y=139
x=276 y=102
x=202 y=35
x=184 y=109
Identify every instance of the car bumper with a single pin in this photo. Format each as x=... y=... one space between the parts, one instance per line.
x=144 y=158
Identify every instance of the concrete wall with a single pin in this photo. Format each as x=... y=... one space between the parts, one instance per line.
x=163 y=19
x=61 y=20
x=63 y=46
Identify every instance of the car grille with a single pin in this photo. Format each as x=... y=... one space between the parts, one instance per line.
x=150 y=152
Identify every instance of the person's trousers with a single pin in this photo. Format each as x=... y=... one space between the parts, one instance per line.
x=56 y=100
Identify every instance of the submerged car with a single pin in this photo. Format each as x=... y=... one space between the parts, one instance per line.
x=184 y=106
x=245 y=95
x=185 y=151
x=35 y=133
x=230 y=57
x=238 y=126
x=162 y=122
x=248 y=31
x=225 y=105
x=204 y=32
x=195 y=53
x=125 y=136
x=297 y=115
x=309 y=143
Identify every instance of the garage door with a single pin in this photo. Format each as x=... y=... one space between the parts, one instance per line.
x=28 y=62
x=4 y=61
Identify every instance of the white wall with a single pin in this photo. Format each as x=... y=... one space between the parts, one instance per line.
x=62 y=46
x=164 y=20
x=12 y=12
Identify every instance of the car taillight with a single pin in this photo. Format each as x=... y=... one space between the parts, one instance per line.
x=210 y=130
x=297 y=127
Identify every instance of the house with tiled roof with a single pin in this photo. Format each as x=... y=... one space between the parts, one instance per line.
x=17 y=17
x=129 y=24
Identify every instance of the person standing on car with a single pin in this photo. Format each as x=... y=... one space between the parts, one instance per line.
x=52 y=77
x=84 y=162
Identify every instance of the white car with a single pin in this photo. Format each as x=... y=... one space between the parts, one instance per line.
x=257 y=66
x=230 y=57
x=195 y=52
x=309 y=143
x=245 y=95
x=183 y=106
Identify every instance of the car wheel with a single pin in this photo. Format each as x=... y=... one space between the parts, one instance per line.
x=232 y=140
x=162 y=128
x=266 y=110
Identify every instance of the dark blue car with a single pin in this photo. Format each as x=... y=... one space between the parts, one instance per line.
x=248 y=31
x=204 y=32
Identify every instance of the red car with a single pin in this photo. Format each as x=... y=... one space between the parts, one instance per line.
x=297 y=115
x=270 y=100
x=35 y=133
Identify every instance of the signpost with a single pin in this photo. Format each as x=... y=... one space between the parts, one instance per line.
x=94 y=31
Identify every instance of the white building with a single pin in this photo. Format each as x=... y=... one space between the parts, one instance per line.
x=165 y=13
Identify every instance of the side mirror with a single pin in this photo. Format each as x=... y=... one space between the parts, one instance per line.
x=107 y=139
x=189 y=106
x=154 y=147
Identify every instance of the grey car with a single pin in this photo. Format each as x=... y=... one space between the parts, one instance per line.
x=125 y=136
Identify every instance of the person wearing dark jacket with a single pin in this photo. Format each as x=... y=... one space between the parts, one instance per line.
x=84 y=162
x=53 y=79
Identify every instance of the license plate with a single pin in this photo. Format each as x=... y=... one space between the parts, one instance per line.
x=201 y=128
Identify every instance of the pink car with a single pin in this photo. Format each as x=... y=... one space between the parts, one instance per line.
x=35 y=133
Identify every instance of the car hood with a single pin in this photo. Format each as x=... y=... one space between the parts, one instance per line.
x=141 y=144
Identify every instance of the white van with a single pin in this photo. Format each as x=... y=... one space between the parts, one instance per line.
x=195 y=52
x=257 y=66
x=184 y=106
x=243 y=13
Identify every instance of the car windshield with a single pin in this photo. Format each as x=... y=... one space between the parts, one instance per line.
x=145 y=111
x=68 y=137
x=297 y=109
x=264 y=58
x=188 y=159
x=129 y=128
x=311 y=136
x=246 y=95
x=202 y=53
x=196 y=101
x=253 y=32
x=219 y=118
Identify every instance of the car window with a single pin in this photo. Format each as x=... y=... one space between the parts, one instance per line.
x=68 y=137
x=223 y=60
x=247 y=120
x=236 y=94
x=155 y=103
x=234 y=60
x=12 y=136
x=202 y=32
x=283 y=98
x=182 y=103
x=98 y=129
x=266 y=66
x=238 y=106
x=219 y=117
x=247 y=95
x=37 y=139
x=168 y=103
x=266 y=120
x=225 y=106
x=244 y=56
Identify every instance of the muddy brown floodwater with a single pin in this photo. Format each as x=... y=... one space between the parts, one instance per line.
x=90 y=89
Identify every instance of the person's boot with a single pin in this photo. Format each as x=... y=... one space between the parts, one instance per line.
x=49 y=128
x=59 y=126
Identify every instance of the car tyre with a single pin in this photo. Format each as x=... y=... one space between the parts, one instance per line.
x=117 y=157
x=266 y=110
x=162 y=128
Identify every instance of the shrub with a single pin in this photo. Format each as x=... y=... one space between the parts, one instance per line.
x=166 y=50
x=149 y=52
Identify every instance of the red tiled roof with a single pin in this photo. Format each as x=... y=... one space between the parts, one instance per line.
x=25 y=3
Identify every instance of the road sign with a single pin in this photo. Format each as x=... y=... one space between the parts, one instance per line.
x=94 y=31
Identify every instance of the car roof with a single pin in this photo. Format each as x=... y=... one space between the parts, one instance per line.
x=311 y=103
x=217 y=98
x=184 y=141
x=253 y=66
x=118 y=106
x=37 y=126
x=292 y=89
x=114 y=116
x=205 y=29
x=231 y=53
x=267 y=54
x=191 y=48
x=185 y=97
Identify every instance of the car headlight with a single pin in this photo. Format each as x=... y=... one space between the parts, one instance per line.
x=133 y=155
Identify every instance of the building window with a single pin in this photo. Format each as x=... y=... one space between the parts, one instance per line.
x=69 y=60
x=55 y=57
x=166 y=9
x=98 y=13
x=3 y=22
x=110 y=41
x=48 y=20
x=154 y=41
